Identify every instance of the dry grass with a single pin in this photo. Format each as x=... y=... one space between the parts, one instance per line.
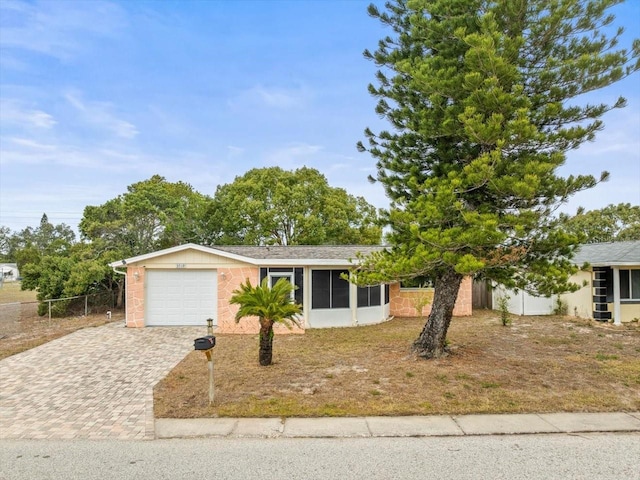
x=22 y=329
x=539 y=364
x=10 y=292
x=34 y=330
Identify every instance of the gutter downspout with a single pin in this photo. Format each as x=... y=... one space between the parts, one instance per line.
x=114 y=268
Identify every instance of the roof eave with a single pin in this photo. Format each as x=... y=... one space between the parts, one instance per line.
x=275 y=262
x=180 y=248
x=614 y=264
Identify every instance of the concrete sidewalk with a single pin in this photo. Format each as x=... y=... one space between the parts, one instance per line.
x=424 y=426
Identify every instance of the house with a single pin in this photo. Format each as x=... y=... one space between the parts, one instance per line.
x=612 y=282
x=9 y=272
x=610 y=291
x=187 y=284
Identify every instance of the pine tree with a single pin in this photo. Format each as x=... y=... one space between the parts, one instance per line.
x=483 y=98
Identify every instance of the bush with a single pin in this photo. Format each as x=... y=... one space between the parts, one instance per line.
x=561 y=307
x=503 y=308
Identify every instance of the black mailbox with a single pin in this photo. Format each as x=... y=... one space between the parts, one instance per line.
x=204 y=343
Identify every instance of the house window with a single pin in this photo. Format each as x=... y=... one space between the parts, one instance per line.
x=630 y=284
x=387 y=294
x=329 y=289
x=609 y=284
x=368 y=296
x=293 y=275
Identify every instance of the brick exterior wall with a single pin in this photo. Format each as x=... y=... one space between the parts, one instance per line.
x=228 y=280
x=403 y=302
x=135 y=297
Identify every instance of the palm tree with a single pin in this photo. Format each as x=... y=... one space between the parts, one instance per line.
x=270 y=305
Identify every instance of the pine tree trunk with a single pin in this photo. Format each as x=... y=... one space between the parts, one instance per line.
x=431 y=342
x=266 y=342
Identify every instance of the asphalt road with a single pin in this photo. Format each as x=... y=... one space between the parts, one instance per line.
x=585 y=456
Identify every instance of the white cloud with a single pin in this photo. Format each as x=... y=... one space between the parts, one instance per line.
x=234 y=152
x=20 y=151
x=12 y=112
x=32 y=144
x=278 y=98
x=99 y=114
x=292 y=156
x=272 y=97
x=57 y=29
x=620 y=136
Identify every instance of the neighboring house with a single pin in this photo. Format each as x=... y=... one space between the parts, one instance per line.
x=9 y=272
x=187 y=284
x=611 y=288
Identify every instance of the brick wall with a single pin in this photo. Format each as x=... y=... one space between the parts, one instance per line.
x=135 y=297
x=230 y=279
x=403 y=302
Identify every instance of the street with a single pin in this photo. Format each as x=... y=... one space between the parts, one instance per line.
x=513 y=457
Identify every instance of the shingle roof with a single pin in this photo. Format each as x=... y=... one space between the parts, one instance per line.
x=300 y=252
x=611 y=253
x=275 y=255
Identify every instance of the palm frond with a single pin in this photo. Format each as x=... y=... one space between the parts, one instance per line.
x=275 y=304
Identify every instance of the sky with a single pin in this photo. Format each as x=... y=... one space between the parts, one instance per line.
x=97 y=95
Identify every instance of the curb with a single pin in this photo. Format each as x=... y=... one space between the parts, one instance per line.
x=418 y=426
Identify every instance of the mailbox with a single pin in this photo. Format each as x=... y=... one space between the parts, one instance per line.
x=204 y=343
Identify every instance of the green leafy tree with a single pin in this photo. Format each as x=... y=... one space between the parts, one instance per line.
x=48 y=277
x=43 y=257
x=270 y=305
x=7 y=253
x=83 y=270
x=152 y=214
x=484 y=102
x=268 y=206
x=30 y=244
x=613 y=223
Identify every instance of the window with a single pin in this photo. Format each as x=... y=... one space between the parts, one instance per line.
x=387 y=294
x=416 y=282
x=630 y=284
x=294 y=275
x=328 y=289
x=369 y=296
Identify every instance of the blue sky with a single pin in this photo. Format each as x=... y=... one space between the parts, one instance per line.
x=95 y=96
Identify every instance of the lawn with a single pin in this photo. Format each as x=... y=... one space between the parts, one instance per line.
x=10 y=292
x=538 y=364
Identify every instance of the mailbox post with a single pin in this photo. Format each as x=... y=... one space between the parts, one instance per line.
x=206 y=344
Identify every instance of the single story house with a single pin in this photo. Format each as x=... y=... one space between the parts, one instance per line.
x=611 y=288
x=187 y=284
x=9 y=272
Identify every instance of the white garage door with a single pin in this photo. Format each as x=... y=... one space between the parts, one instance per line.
x=181 y=297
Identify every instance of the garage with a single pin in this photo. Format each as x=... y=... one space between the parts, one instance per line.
x=181 y=297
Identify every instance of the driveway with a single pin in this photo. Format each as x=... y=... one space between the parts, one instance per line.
x=93 y=383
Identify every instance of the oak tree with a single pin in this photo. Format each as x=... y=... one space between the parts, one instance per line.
x=272 y=206
x=152 y=214
x=613 y=223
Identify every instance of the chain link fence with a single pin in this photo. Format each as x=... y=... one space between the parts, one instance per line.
x=14 y=316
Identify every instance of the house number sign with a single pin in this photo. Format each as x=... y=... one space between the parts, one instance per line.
x=181 y=265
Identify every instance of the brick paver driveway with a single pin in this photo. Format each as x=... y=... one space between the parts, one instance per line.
x=93 y=383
